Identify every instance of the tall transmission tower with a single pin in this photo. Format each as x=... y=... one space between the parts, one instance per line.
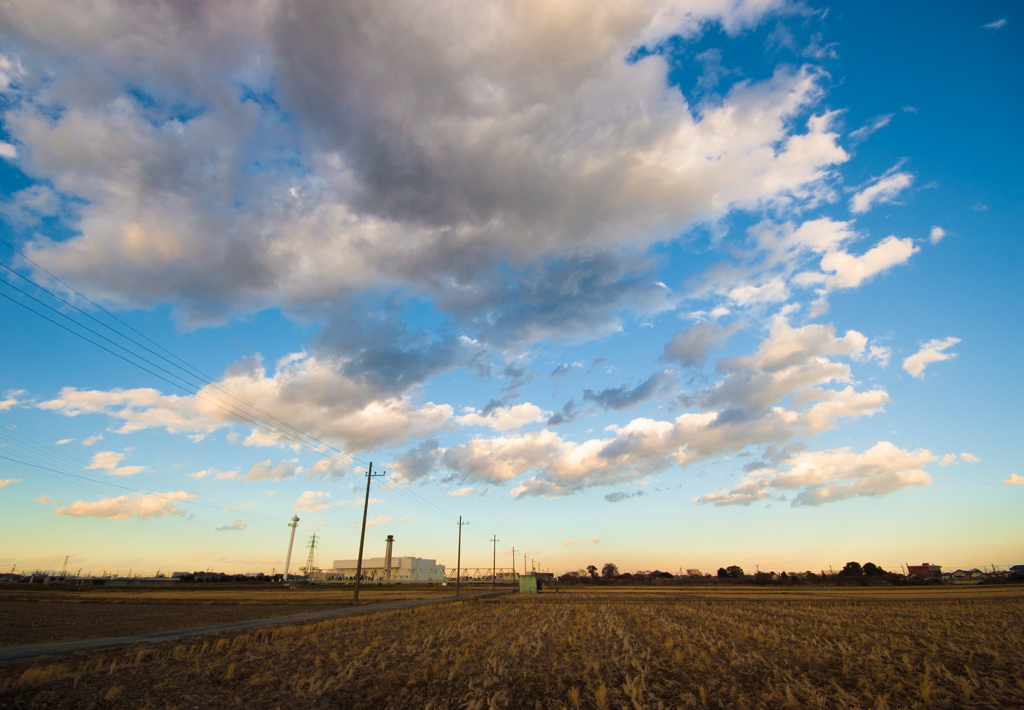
x=64 y=567
x=310 y=562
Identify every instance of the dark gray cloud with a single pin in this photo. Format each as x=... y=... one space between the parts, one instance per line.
x=624 y=397
x=566 y=416
x=618 y=496
x=521 y=377
x=692 y=346
x=573 y=299
x=379 y=350
x=564 y=369
x=418 y=462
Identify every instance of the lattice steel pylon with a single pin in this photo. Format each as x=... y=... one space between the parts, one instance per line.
x=310 y=562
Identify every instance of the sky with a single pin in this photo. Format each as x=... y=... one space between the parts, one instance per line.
x=670 y=285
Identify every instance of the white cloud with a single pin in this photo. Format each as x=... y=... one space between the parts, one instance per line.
x=265 y=471
x=741 y=410
x=390 y=183
x=10 y=401
x=998 y=24
x=109 y=460
x=885 y=190
x=850 y=271
x=64 y=441
x=311 y=501
x=226 y=475
x=379 y=520
x=461 y=492
x=880 y=354
x=8 y=151
x=237 y=525
x=4 y=482
x=202 y=474
x=1014 y=480
x=829 y=476
x=969 y=458
x=151 y=505
x=932 y=351
x=92 y=440
x=936 y=234
x=877 y=123
x=311 y=394
x=45 y=500
x=504 y=418
x=329 y=468
x=948 y=459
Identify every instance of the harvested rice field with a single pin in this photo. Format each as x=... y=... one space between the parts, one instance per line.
x=571 y=650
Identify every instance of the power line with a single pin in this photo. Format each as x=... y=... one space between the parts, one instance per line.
x=205 y=379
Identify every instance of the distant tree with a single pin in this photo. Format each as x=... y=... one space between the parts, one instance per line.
x=872 y=570
x=609 y=571
x=783 y=575
x=722 y=572
x=592 y=571
x=734 y=571
x=852 y=569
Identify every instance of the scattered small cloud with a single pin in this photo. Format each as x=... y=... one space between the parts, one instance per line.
x=997 y=25
x=909 y=109
x=404 y=518
x=8 y=481
x=1014 y=480
x=225 y=475
x=567 y=542
x=202 y=557
x=880 y=354
x=932 y=351
x=620 y=496
x=46 y=500
x=876 y=123
x=62 y=441
x=311 y=501
x=883 y=191
x=237 y=525
x=239 y=507
x=109 y=460
x=461 y=492
x=152 y=505
x=969 y=458
x=92 y=440
x=936 y=234
x=264 y=471
x=948 y=459
x=379 y=520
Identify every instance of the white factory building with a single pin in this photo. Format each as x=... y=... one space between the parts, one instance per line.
x=403 y=569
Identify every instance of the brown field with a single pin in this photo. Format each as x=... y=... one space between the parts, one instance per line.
x=38 y=614
x=632 y=648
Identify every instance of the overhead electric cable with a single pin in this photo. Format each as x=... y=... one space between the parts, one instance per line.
x=199 y=374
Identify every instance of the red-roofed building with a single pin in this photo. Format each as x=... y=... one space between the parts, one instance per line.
x=925 y=570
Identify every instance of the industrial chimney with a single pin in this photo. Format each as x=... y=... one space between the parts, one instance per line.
x=387 y=558
x=291 y=541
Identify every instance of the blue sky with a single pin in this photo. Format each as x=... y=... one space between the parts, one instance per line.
x=669 y=285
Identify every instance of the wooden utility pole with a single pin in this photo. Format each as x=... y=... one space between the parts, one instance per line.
x=370 y=475
x=458 y=563
x=494 y=564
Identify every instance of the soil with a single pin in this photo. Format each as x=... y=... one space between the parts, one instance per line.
x=29 y=616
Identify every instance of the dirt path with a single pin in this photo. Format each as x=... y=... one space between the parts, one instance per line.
x=27 y=651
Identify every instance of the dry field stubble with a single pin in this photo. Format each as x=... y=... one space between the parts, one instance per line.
x=570 y=651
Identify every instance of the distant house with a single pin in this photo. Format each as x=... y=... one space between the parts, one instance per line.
x=924 y=571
